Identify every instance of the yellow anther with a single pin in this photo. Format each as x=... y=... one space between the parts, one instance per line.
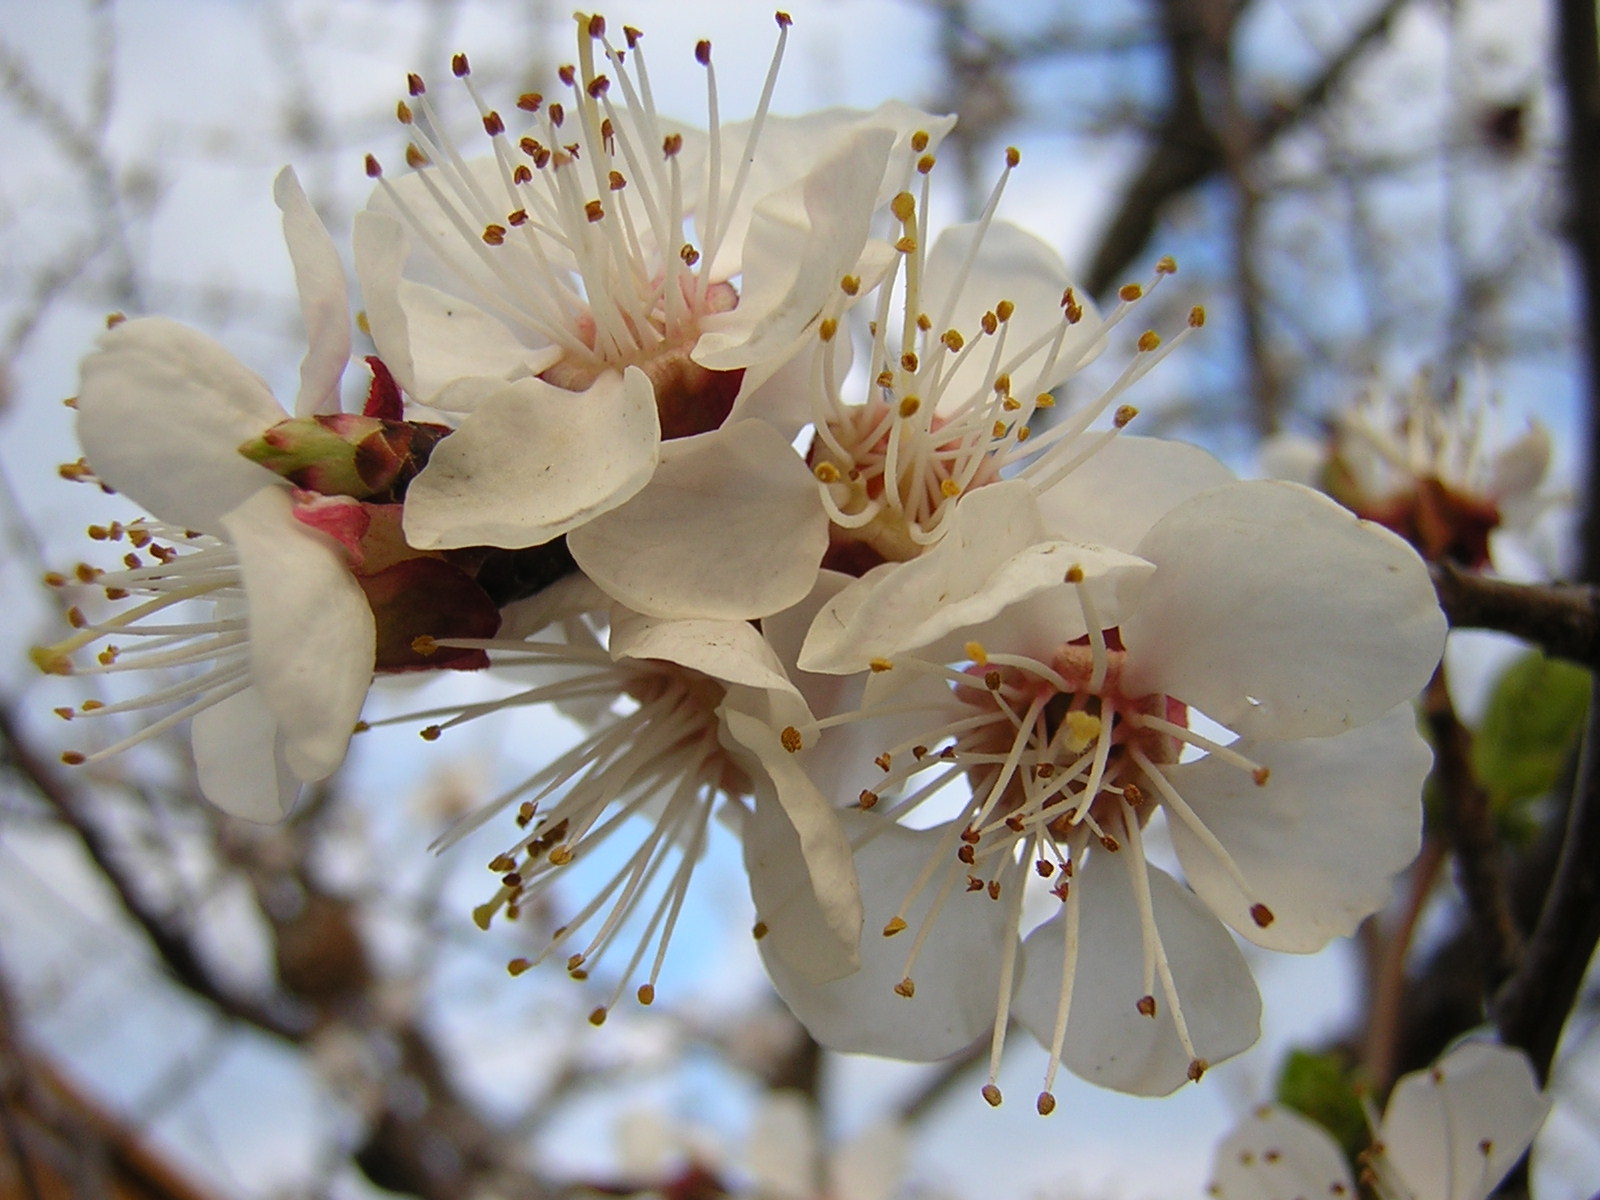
x=1197 y=316
x=880 y=665
x=1124 y=414
x=1129 y=292
x=905 y=988
x=560 y=856
x=904 y=207
x=895 y=925
x=1082 y=729
x=518 y=966
x=1004 y=309
x=909 y=406
x=977 y=653
x=826 y=472
x=850 y=284
x=919 y=141
x=1149 y=340
x=827 y=329
x=1013 y=156
x=949 y=489
x=790 y=737
x=908 y=361
x=952 y=339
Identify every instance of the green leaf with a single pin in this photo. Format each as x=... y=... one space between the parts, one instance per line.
x=1322 y=1086
x=1529 y=732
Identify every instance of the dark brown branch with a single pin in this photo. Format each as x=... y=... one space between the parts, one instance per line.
x=1185 y=151
x=1533 y=1006
x=1563 y=620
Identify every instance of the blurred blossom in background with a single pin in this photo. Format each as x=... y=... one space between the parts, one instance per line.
x=1357 y=191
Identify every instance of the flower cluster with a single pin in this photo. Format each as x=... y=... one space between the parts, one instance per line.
x=709 y=440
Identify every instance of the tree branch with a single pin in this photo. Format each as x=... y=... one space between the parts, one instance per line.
x=1561 y=619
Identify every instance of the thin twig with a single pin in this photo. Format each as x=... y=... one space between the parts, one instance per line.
x=1561 y=619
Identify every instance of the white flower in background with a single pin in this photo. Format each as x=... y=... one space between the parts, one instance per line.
x=1059 y=717
x=1451 y=1132
x=284 y=662
x=555 y=296
x=1436 y=471
x=663 y=703
x=781 y=1159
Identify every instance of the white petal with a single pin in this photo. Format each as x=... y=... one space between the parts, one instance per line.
x=732 y=651
x=312 y=636
x=1452 y=1132
x=871 y=1165
x=803 y=239
x=239 y=759
x=534 y=462
x=1012 y=264
x=162 y=411
x=802 y=877
x=731 y=527
x=1520 y=467
x=1281 y=615
x=791 y=147
x=957 y=973
x=381 y=246
x=1126 y=487
x=1320 y=843
x=995 y=555
x=324 y=297
x=1276 y=1154
x=1109 y=1042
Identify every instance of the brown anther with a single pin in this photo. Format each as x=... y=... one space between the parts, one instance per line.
x=919 y=752
x=689 y=254
x=1110 y=843
x=93 y=705
x=952 y=339
x=1129 y=292
x=1133 y=794
x=560 y=856
x=783 y=19
x=925 y=164
x=671 y=144
x=905 y=988
x=511 y=880
x=992 y=1095
x=492 y=124
x=424 y=645
x=517 y=966
x=924 y=322
x=1146 y=1006
x=919 y=141
x=574 y=961
x=790 y=737
x=557 y=114
x=850 y=285
x=530 y=102
x=598 y=86
x=1166 y=265
x=402 y=112
x=1261 y=775
x=994 y=889
x=526 y=810
x=967 y=855
x=373 y=169
x=702 y=52
x=1046 y=1104
x=1197 y=316
x=974 y=884
x=909 y=361
x=895 y=925
x=415 y=158
x=1074 y=574
x=882 y=761
x=568 y=74
x=73 y=759
x=971 y=835
x=1261 y=915
x=54 y=579
x=1015 y=823
x=868 y=798
x=597 y=27
x=1148 y=341
x=1002 y=382
x=1044 y=868
x=827 y=329
x=76 y=619
x=502 y=862
x=1013 y=156
x=66 y=714
x=520 y=217
x=594 y=210
x=616 y=181
x=631 y=35
x=1044 y=770
x=431 y=733
x=758 y=930
x=414 y=84
x=459 y=66
x=646 y=993
x=598 y=1017
x=989 y=322
x=991 y=680
x=1485 y=1147
x=1197 y=1068
x=361 y=727
x=1124 y=415
x=885 y=379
